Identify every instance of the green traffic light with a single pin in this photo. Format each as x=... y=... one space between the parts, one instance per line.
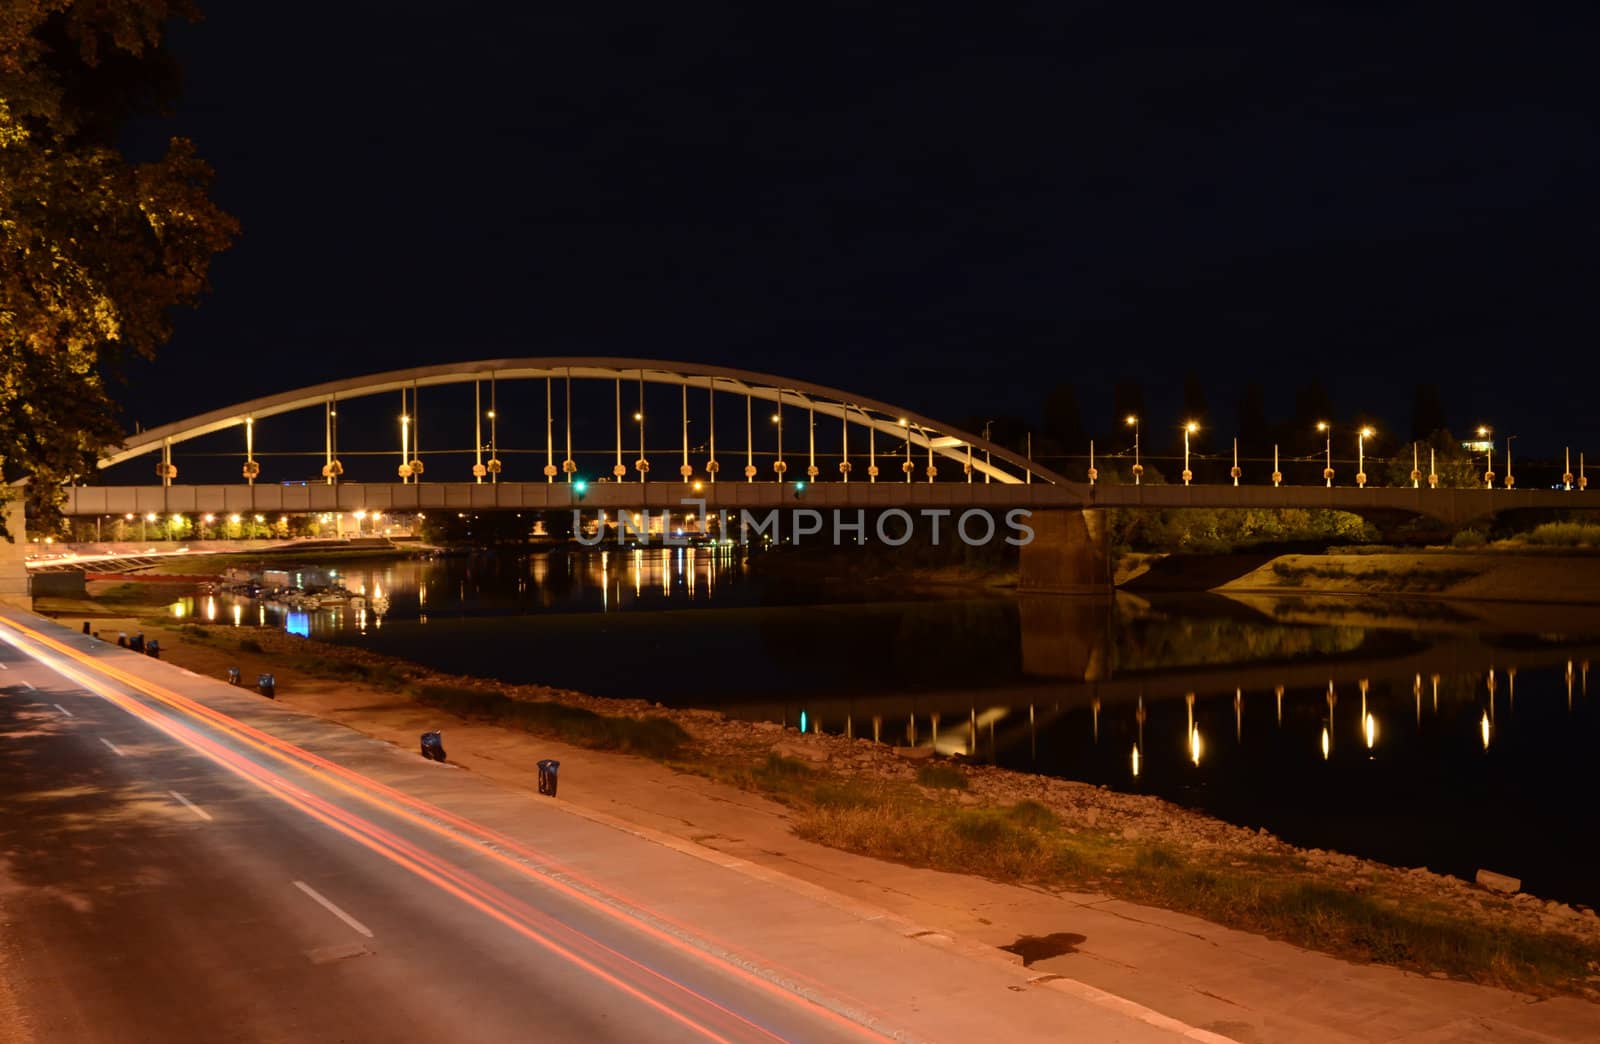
x=580 y=487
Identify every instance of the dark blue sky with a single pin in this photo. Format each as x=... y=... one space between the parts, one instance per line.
x=952 y=208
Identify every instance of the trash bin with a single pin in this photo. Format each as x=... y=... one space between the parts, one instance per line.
x=122 y=639
x=233 y=676
x=433 y=746
x=86 y=627
x=136 y=643
x=267 y=685
x=547 y=776
x=154 y=648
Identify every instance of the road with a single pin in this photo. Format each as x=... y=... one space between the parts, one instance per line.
x=181 y=860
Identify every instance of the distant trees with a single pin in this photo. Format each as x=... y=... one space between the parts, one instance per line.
x=1252 y=426
x=1196 y=409
x=1427 y=415
x=1063 y=421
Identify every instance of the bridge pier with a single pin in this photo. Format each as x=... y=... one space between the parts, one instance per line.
x=1070 y=553
x=13 y=555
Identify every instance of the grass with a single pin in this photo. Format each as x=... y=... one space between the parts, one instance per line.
x=1269 y=894
x=1565 y=534
x=1338 y=920
x=652 y=737
x=1382 y=580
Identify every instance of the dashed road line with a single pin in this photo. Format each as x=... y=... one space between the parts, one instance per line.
x=331 y=908
x=191 y=806
x=63 y=710
x=114 y=748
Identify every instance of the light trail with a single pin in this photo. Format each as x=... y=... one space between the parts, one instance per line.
x=373 y=837
x=516 y=856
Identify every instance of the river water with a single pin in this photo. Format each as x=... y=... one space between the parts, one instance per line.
x=1450 y=737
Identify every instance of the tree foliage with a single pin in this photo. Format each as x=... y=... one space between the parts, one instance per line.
x=95 y=250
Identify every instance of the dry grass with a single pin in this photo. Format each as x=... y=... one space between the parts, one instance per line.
x=1270 y=895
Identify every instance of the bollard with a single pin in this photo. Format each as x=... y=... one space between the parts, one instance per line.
x=233 y=676
x=547 y=776
x=433 y=745
x=267 y=685
x=153 y=648
x=86 y=627
x=122 y=639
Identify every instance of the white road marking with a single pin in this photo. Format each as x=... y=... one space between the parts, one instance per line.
x=191 y=806
x=62 y=709
x=30 y=686
x=327 y=905
x=3 y=667
x=113 y=747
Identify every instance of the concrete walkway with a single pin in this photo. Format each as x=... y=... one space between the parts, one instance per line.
x=1225 y=982
x=749 y=936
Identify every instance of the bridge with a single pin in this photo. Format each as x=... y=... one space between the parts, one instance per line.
x=851 y=452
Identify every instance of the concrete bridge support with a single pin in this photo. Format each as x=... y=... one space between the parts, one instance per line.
x=13 y=555
x=1070 y=553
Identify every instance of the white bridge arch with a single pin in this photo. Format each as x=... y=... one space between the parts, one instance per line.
x=978 y=458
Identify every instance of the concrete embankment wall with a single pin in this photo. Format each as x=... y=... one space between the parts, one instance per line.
x=1515 y=576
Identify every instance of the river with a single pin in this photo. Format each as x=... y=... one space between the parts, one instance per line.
x=1416 y=734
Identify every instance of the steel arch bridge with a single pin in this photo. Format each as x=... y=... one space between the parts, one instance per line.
x=928 y=467
x=927 y=442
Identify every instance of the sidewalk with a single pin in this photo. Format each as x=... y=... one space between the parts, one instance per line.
x=1231 y=983
x=769 y=937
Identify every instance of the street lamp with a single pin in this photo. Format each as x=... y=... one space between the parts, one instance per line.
x=1138 y=469
x=1485 y=432
x=1327 y=469
x=1361 y=455
x=404 y=470
x=1188 y=429
x=1510 y=481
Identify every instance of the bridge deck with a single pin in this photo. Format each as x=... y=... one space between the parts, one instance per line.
x=1450 y=505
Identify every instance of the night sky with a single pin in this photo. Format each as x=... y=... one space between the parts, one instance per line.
x=951 y=208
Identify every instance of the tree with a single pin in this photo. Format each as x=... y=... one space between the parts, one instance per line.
x=1196 y=409
x=1063 y=420
x=1427 y=415
x=95 y=249
x=1127 y=400
x=1255 y=433
x=1311 y=407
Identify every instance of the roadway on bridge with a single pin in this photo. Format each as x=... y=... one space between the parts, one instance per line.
x=185 y=861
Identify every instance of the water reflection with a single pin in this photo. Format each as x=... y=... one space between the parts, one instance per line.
x=1122 y=693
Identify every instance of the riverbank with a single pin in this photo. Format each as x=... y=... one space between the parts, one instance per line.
x=1514 y=573
x=1060 y=838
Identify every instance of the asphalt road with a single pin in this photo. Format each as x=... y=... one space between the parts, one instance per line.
x=171 y=872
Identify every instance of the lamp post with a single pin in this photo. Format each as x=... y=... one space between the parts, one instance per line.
x=1138 y=468
x=1510 y=479
x=405 y=444
x=1361 y=455
x=1188 y=429
x=1327 y=469
x=1485 y=432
